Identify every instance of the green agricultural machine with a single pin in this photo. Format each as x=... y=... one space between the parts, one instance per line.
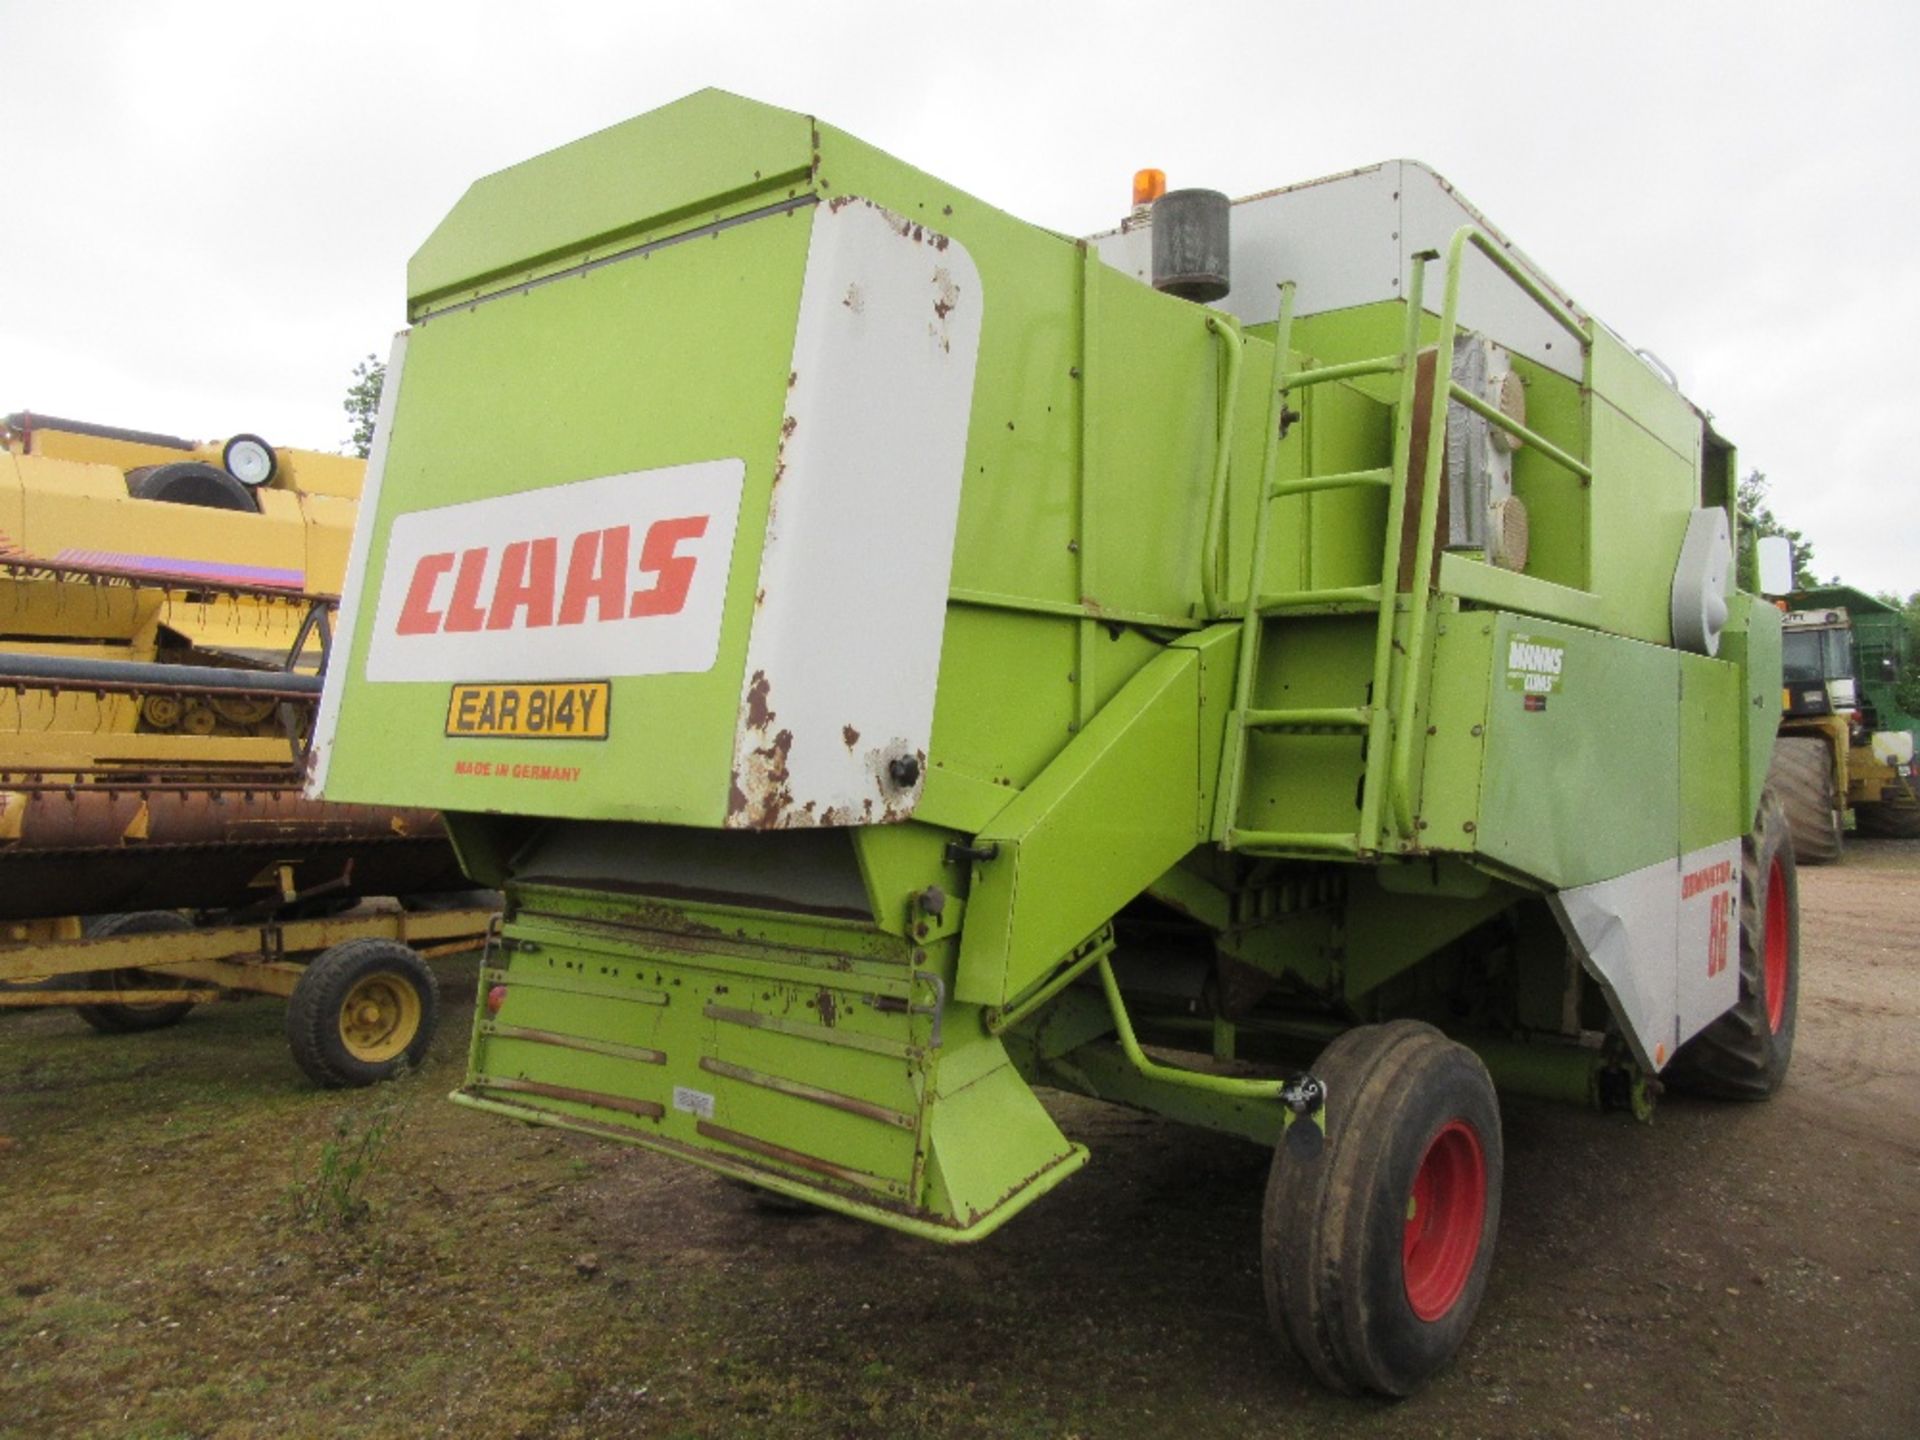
x=1273 y=665
x=1846 y=746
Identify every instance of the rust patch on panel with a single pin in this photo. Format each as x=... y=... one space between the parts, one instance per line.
x=799 y=1158
x=759 y=713
x=599 y=1100
x=760 y=797
x=850 y=736
x=760 y=784
x=1423 y=387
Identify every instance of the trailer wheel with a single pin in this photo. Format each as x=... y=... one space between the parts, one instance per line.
x=130 y=1016
x=362 y=1012
x=1376 y=1242
x=1745 y=1053
x=1802 y=775
x=191 y=482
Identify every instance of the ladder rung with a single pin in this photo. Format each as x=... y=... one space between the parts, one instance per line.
x=1324 y=719
x=1345 y=480
x=1336 y=841
x=1345 y=370
x=1301 y=599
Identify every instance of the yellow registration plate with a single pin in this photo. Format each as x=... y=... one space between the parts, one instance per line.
x=562 y=710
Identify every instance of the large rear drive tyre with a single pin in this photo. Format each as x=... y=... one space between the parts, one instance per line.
x=1802 y=776
x=130 y=1016
x=1745 y=1053
x=362 y=1012
x=191 y=482
x=1376 y=1241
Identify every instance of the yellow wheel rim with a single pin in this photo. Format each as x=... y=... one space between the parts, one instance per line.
x=379 y=1018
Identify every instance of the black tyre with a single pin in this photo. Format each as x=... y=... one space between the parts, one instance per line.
x=250 y=460
x=1802 y=776
x=1745 y=1053
x=434 y=902
x=190 y=482
x=363 y=1011
x=773 y=1202
x=1376 y=1241
x=1890 y=819
x=130 y=1016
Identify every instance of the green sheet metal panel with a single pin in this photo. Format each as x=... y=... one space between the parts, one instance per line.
x=1118 y=807
x=813 y=1053
x=1151 y=397
x=517 y=394
x=1308 y=782
x=1643 y=495
x=694 y=156
x=1581 y=777
x=1751 y=643
x=1448 y=811
x=1712 y=765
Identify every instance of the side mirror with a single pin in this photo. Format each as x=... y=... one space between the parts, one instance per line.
x=1775 y=556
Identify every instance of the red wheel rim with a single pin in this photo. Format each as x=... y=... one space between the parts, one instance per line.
x=1445 y=1214
x=1775 y=968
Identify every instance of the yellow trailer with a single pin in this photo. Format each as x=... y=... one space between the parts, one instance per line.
x=165 y=612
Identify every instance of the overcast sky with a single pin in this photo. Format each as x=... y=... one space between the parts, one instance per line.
x=209 y=208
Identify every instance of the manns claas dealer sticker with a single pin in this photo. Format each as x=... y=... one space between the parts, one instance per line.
x=1534 y=668
x=618 y=575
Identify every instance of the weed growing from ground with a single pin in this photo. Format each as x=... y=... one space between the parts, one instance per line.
x=334 y=1196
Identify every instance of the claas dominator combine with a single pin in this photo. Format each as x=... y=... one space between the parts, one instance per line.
x=164 y=612
x=1273 y=665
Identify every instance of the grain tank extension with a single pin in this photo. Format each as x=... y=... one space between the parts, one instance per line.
x=893 y=657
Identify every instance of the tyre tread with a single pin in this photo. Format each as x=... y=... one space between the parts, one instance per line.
x=1739 y=1056
x=313 y=1010
x=1801 y=776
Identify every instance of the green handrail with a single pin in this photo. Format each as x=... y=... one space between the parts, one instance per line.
x=1380 y=732
x=1227 y=789
x=1230 y=1086
x=1401 y=774
x=1228 y=330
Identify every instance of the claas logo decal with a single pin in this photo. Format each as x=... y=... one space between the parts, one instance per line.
x=615 y=576
x=523 y=592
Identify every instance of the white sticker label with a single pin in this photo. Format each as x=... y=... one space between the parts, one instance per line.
x=1534 y=666
x=694 y=1102
x=620 y=575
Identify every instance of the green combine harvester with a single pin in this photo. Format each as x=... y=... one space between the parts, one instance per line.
x=1274 y=665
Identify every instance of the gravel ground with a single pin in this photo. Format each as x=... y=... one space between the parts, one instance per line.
x=1725 y=1271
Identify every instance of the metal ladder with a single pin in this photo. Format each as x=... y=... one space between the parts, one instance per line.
x=1386 y=720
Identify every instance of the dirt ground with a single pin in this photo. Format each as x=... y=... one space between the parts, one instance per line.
x=1725 y=1271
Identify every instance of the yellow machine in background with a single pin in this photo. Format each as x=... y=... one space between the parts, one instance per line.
x=122 y=545
x=165 y=610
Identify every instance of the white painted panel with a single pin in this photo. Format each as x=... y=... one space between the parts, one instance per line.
x=1623 y=931
x=328 y=720
x=1663 y=942
x=617 y=575
x=851 y=601
x=1350 y=240
x=1431 y=210
x=1707 y=959
x=1336 y=239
